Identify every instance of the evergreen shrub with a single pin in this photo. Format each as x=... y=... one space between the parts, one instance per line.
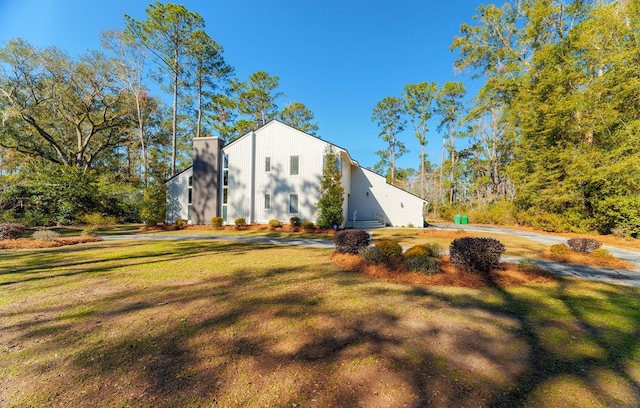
x=308 y=225
x=372 y=254
x=422 y=263
x=601 y=253
x=96 y=218
x=11 y=230
x=241 y=222
x=45 y=235
x=294 y=221
x=476 y=254
x=559 y=249
x=350 y=241
x=389 y=248
x=217 y=222
x=90 y=231
x=275 y=223
x=586 y=245
x=432 y=250
x=181 y=223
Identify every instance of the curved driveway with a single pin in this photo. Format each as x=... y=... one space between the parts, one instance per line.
x=607 y=275
x=627 y=277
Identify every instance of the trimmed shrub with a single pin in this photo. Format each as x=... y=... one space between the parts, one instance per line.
x=601 y=253
x=241 y=222
x=11 y=230
x=432 y=250
x=422 y=263
x=389 y=248
x=294 y=221
x=350 y=241
x=372 y=254
x=90 y=231
x=275 y=223
x=586 y=245
x=559 y=249
x=45 y=235
x=181 y=223
x=476 y=254
x=217 y=222
x=308 y=225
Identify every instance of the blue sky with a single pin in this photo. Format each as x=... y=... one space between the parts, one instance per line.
x=339 y=58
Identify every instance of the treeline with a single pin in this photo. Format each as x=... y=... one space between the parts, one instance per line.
x=86 y=135
x=551 y=139
x=553 y=134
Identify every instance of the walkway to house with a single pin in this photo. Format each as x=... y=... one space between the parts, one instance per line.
x=614 y=276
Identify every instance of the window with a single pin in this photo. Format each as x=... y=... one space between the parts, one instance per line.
x=225 y=185
x=294 y=165
x=293 y=203
x=190 y=202
x=267 y=201
x=267 y=164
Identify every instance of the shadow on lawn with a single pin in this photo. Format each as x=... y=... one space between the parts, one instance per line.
x=38 y=264
x=587 y=356
x=300 y=335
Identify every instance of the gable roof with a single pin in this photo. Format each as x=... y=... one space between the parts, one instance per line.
x=276 y=122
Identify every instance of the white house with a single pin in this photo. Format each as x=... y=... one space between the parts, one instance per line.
x=274 y=173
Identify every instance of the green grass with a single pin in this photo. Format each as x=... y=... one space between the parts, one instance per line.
x=214 y=323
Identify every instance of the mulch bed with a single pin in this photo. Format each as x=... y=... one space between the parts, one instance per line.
x=508 y=275
x=28 y=243
x=253 y=227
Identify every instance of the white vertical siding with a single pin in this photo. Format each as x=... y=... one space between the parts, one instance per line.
x=178 y=197
x=371 y=195
x=249 y=183
x=239 y=193
x=280 y=142
x=345 y=168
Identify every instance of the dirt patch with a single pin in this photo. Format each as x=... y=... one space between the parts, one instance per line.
x=508 y=275
x=28 y=243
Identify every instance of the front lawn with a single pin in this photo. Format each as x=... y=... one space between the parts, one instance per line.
x=214 y=323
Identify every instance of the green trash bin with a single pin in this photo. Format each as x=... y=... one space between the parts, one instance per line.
x=464 y=220
x=457 y=219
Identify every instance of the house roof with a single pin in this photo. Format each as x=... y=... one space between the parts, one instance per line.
x=276 y=122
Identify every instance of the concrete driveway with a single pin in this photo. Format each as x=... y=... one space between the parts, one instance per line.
x=607 y=275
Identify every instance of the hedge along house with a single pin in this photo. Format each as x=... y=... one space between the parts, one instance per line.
x=274 y=172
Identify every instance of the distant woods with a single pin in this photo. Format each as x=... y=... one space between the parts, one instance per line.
x=553 y=135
